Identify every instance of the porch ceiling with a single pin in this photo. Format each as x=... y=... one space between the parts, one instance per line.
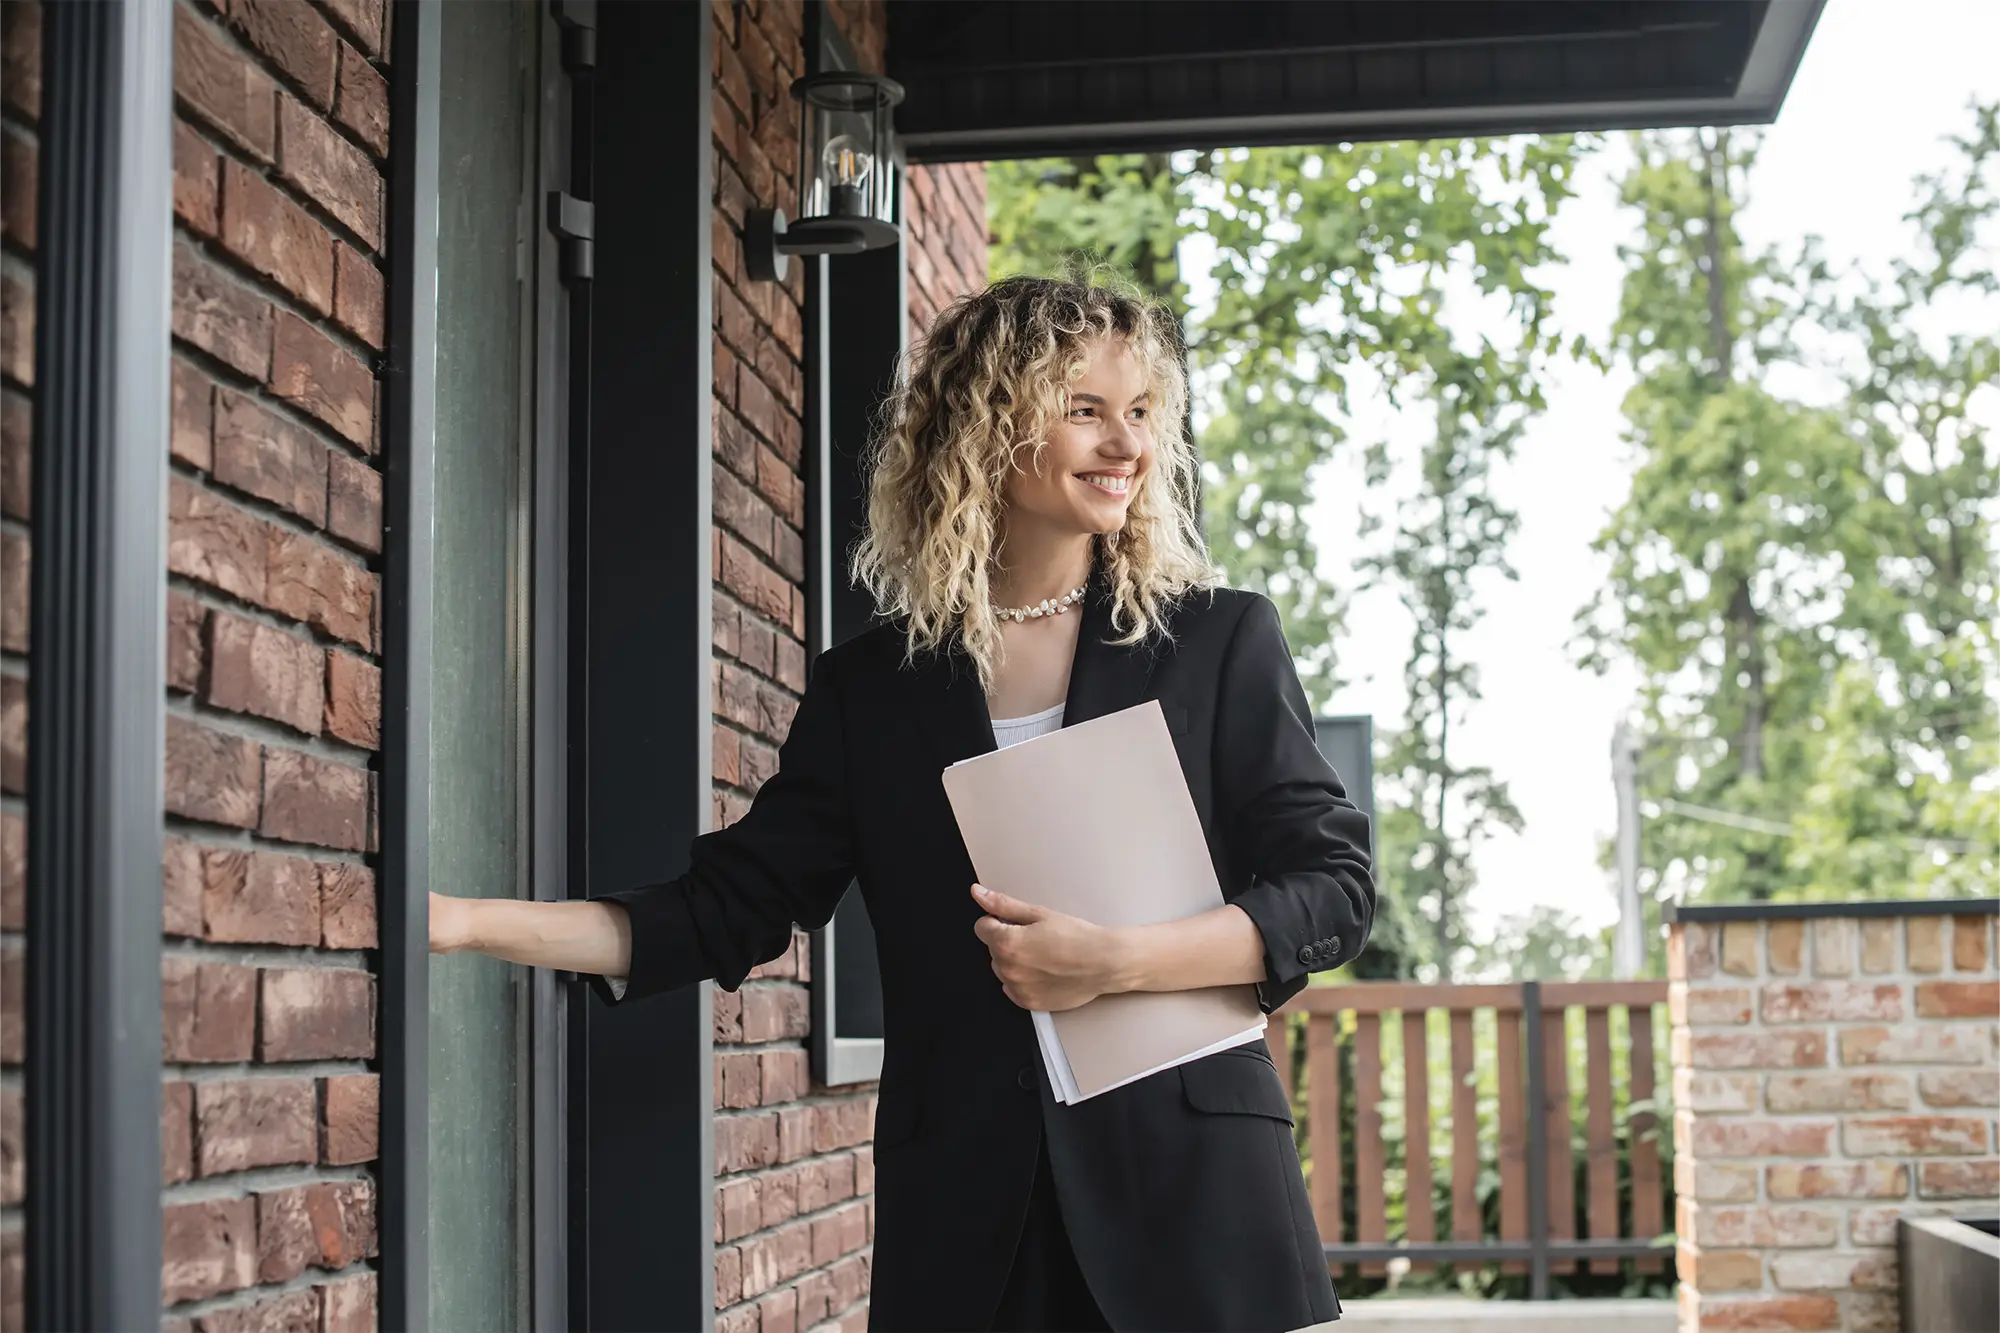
x=993 y=79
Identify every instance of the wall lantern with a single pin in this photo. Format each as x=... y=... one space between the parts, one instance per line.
x=847 y=176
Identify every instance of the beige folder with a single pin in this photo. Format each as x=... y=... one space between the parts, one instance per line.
x=1095 y=821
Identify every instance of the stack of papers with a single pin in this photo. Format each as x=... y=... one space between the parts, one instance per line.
x=1116 y=842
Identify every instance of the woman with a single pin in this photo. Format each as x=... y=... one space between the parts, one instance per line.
x=1032 y=462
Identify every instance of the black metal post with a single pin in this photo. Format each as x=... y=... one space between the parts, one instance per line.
x=1532 y=1037
x=409 y=442
x=97 y=694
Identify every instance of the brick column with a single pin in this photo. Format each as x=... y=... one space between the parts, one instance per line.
x=1831 y=1074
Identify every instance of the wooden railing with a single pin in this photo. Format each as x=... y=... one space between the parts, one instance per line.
x=1530 y=1136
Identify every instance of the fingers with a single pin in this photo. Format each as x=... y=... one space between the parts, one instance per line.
x=1006 y=908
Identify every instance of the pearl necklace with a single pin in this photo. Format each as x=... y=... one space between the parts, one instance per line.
x=1048 y=606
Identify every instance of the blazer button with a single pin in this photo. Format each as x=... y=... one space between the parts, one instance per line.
x=1307 y=955
x=1025 y=1078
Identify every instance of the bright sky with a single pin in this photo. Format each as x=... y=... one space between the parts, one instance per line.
x=1880 y=85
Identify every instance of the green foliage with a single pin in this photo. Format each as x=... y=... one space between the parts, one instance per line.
x=1807 y=590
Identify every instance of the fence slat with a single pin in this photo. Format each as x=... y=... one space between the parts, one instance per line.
x=1419 y=1222
x=1601 y=1146
x=1278 y=1041
x=1562 y=1160
x=1640 y=1130
x=1370 y=1209
x=1513 y=1137
x=1323 y=1095
x=1465 y=1220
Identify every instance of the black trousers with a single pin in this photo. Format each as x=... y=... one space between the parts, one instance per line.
x=1046 y=1291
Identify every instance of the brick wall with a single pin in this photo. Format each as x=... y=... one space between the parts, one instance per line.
x=1830 y=1075
x=273 y=707
x=794 y=1217
x=20 y=107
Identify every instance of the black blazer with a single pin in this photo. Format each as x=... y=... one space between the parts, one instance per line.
x=1182 y=1192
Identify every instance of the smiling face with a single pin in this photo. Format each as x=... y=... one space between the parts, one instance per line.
x=1082 y=482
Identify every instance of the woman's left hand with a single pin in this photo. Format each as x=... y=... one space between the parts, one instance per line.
x=1046 y=961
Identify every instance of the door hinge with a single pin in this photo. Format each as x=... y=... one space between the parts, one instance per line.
x=578 y=21
x=574 y=223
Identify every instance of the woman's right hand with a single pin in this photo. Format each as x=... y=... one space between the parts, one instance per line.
x=451 y=923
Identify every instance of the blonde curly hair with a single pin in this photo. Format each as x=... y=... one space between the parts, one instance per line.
x=979 y=391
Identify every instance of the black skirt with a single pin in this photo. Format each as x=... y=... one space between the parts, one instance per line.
x=1046 y=1291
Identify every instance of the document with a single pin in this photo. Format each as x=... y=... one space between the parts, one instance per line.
x=1095 y=821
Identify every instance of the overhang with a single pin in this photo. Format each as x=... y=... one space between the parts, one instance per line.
x=990 y=79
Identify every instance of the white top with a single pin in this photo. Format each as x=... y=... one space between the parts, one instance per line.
x=1013 y=730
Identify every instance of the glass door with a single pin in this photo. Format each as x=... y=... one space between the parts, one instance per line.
x=480 y=797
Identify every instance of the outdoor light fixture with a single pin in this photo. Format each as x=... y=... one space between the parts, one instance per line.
x=847 y=176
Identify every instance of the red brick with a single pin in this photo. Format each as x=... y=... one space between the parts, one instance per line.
x=790 y=665
x=1837 y=1180
x=1834 y=1272
x=176 y=1133
x=1720 y=1270
x=16 y=576
x=1716 y=1093
x=864 y=1169
x=13 y=1004
x=734 y=445
x=219 y=314
x=1758 y=1050
x=1780 y=1227
x=13 y=1259
x=843 y=1124
x=353 y=699
x=785 y=1076
x=1822 y=1001
x=780 y=1197
x=815 y=1297
x=317 y=1013
x=314 y=801
x=355 y=503
x=223 y=88
x=745 y=1143
x=293 y=1312
x=260 y=898
x=16 y=483
x=1959 y=1180
x=331 y=171
x=762 y=412
x=197 y=183
x=760 y=762
x=358 y=295
x=1784 y=947
x=728 y=1278
x=1873 y=1226
x=187 y=626
x=364 y=102
x=1960 y=1087
x=1915 y=1136
x=362 y=20
x=737 y=1084
x=776 y=1256
x=1927 y=1044
x=317 y=375
x=13 y=734
x=13 y=1164
x=1833 y=941
x=208 y=1248
x=17 y=328
x=736 y=695
x=349 y=1305
x=323 y=1225
x=208 y=1011
x=1837 y=1092
x=779 y=1312
x=775 y=1013
x=310 y=581
x=742 y=1320
x=211 y=776
x=759 y=646
x=1958 y=999
x=727 y=1015
x=19 y=166
x=724 y=624
x=13 y=872
x=737 y=1209
x=256 y=669
x=1925 y=938
x=1756 y=1314
x=276 y=238
x=1878 y=947
x=839 y=1234
x=294 y=38
x=254 y=1122
x=180 y=888
x=212 y=541
x=1719 y=1137
x=1968 y=942
x=723 y=757
x=347 y=905
x=739 y=509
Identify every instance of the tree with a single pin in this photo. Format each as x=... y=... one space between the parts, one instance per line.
x=1807 y=590
x=1446 y=536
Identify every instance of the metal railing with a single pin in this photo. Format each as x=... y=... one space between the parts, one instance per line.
x=1529 y=1134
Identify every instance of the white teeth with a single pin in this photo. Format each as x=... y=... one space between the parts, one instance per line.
x=1116 y=485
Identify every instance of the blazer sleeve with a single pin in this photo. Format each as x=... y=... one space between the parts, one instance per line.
x=789 y=859
x=1288 y=820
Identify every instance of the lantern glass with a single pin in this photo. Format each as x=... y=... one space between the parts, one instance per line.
x=846 y=165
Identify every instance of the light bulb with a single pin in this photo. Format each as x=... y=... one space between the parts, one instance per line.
x=847 y=168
